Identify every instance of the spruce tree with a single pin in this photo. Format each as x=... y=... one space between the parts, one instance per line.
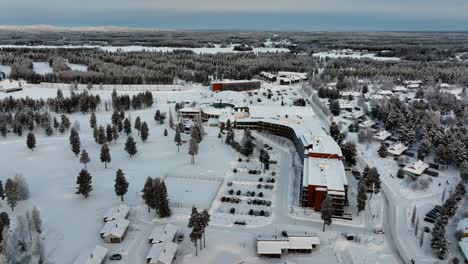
x=101 y=135
x=105 y=155
x=11 y=193
x=31 y=141
x=195 y=222
x=383 y=150
x=95 y=134
x=326 y=212
x=148 y=194
x=84 y=183
x=138 y=124
x=205 y=216
x=178 y=139
x=164 y=209
x=92 y=120
x=121 y=184
x=144 y=131
x=2 y=191
x=362 y=195
x=84 y=159
x=127 y=126
x=464 y=171
x=109 y=134
x=165 y=132
x=116 y=118
x=156 y=194
x=130 y=146
x=115 y=133
x=334 y=131
x=75 y=141
x=193 y=149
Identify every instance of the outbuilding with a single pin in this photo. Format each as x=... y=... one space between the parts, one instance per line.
x=163 y=234
x=117 y=212
x=98 y=255
x=416 y=169
x=162 y=253
x=114 y=231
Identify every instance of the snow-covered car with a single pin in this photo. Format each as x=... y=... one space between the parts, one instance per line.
x=379 y=231
x=115 y=257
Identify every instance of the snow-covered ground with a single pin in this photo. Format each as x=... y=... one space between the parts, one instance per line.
x=352 y=54
x=77 y=67
x=72 y=224
x=42 y=68
x=5 y=69
x=216 y=49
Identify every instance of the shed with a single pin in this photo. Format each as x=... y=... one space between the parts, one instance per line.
x=272 y=247
x=114 y=231
x=416 y=169
x=397 y=149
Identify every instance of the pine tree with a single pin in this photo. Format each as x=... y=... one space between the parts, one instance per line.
x=164 y=210
x=138 y=124
x=144 y=131
x=362 y=195
x=178 y=139
x=195 y=223
x=334 y=131
x=326 y=212
x=130 y=146
x=31 y=141
x=116 y=118
x=264 y=159
x=109 y=134
x=148 y=194
x=11 y=193
x=83 y=181
x=121 y=184
x=205 y=216
x=424 y=148
x=383 y=150
x=105 y=155
x=56 y=123
x=230 y=135
x=247 y=143
x=349 y=153
x=193 y=149
x=95 y=134
x=127 y=126
x=101 y=135
x=115 y=133
x=156 y=194
x=374 y=177
x=335 y=107
x=165 y=132
x=464 y=171
x=2 y=191
x=400 y=173
x=75 y=141
x=92 y=120
x=84 y=159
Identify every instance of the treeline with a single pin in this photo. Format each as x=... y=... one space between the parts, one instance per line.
x=147 y=67
x=429 y=72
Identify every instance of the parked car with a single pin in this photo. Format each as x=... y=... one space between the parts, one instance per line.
x=180 y=237
x=284 y=233
x=239 y=222
x=379 y=231
x=115 y=257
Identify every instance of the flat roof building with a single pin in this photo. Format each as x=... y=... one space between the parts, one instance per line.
x=235 y=85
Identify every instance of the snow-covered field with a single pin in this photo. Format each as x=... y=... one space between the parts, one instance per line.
x=216 y=49
x=352 y=54
x=5 y=69
x=77 y=67
x=72 y=223
x=42 y=68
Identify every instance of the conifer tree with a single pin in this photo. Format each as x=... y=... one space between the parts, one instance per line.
x=115 y=133
x=193 y=149
x=31 y=141
x=195 y=223
x=144 y=131
x=383 y=150
x=101 y=135
x=105 y=155
x=326 y=212
x=109 y=134
x=148 y=194
x=11 y=193
x=127 y=126
x=205 y=216
x=164 y=210
x=334 y=131
x=165 y=132
x=84 y=181
x=75 y=141
x=36 y=217
x=121 y=184
x=178 y=139
x=92 y=120
x=362 y=195
x=130 y=146
x=138 y=124
x=56 y=123
x=95 y=134
x=84 y=159
x=2 y=191
x=115 y=118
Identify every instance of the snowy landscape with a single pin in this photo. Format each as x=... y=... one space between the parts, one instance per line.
x=279 y=154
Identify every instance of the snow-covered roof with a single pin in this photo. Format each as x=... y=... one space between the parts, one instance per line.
x=190 y=110
x=413 y=85
x=273 y=246
x=7 y=85
x=385 y=92
x=115 y=228
x=400 y=88
x=213 y=111
x=348 y=93
x=328 y=173
x=302 y=241
x=367 y=123
x=97 y=255
x=417 y=168
x=397 y=149
x=117 y=212
x=463 y=244
x=463 y=225
x=382 y=135
x=293 y=75
x=235 y=81
x=162 y=253
x=162 y=234
x=323 y=144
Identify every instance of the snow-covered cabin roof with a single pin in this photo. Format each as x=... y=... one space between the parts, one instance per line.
x=327 y=173
x=397 y=149
x=382 y=135
x=162 y=253
x=271 y=246
x=385 y=92
x=463 y=225
x=413 y=86
x=350 y=93
x=97 y=255
x=115 y=228
x=162 y=234
x=400 y=88
x=302 y=241
x=293 y=75
x=417 y=168
x=117 y=212
x=463 y=244
x=367 y=123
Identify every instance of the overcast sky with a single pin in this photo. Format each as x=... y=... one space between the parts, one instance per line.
x=242 y=14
